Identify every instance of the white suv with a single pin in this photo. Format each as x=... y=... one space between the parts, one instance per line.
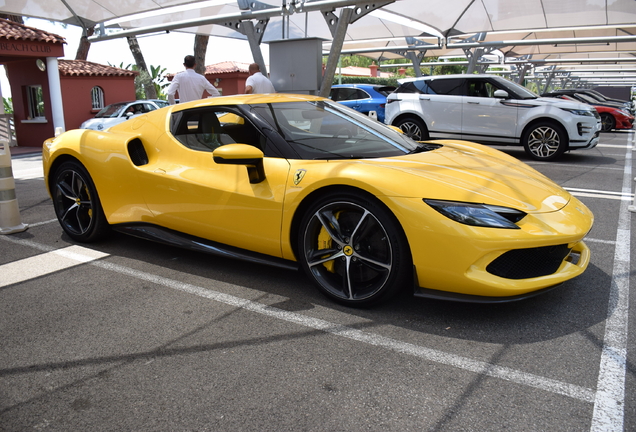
x=491 y=110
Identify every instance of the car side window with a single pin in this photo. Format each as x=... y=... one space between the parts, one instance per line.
x=205 y=129
x=414 y=87
x=361 y=94
x=348 y=94
x=480 y=88
x=454 y=86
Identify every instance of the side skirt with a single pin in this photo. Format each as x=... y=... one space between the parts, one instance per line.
x=174 y=238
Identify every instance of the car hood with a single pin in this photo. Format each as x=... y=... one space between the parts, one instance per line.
x=468 y=172
x=562 y=103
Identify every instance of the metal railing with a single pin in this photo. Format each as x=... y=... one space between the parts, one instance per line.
x=7 y=129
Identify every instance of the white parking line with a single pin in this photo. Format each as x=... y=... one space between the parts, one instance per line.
x=464 y=363
x=615 y=146
x=609 y=404
x=27 y=168
x=50 y=262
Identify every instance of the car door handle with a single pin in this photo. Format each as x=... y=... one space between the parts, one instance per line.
x=424 y=98
x=474 y=103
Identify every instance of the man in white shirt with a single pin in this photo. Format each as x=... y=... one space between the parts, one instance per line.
x=257 y=82
x=190 y=84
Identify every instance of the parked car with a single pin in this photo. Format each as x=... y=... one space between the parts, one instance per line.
x=366 y=98
x=600 y=96
x=160 y=102
x=491 y=110
x=119 y=112
x=300 y=181
x=611 y=117
x=592 y=98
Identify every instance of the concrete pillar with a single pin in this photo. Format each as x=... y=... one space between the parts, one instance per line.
x=57 y=108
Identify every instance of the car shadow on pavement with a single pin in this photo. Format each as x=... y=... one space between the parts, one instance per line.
x=572 y=307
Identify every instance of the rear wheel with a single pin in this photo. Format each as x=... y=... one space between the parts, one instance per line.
x=77 y=204
x=608 y=122
x=353 y=249
x=545 y=141
x=413 y=128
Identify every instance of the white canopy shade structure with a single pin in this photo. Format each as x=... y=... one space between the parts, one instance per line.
x=522 y=33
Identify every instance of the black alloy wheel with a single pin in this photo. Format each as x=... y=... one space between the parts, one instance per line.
x=545 y=141
x=413 y=128
x=354 y=250
x=76 y=203
x=608 y=122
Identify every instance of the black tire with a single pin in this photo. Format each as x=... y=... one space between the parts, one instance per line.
x=77 y=204
x=354 y=249
x=413 y=128
x=545 y=141
x=608 y=122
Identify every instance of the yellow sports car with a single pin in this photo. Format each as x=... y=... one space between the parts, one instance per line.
x=300 y=181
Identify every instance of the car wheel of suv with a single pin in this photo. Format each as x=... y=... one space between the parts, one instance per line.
x=353 y=249
x=545 y=141
x=413 y=128
x=607 y=122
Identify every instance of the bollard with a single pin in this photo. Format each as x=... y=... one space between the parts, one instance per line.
x=9 y=211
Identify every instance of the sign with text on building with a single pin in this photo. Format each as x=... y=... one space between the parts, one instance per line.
x=23 y=48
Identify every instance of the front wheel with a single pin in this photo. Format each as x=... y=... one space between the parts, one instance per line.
x=413 y=128
x=545 y=141
x=353 y=249
x=77 y=204
x=607 y=122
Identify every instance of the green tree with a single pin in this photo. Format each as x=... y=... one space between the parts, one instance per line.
x=8 y=105
x=157 y=76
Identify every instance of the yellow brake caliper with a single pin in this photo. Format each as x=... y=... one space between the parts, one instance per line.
x=326 y=242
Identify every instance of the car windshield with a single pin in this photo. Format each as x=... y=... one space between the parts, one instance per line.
x=519 y=90
x=112 y=110
x=325 y=130
x=385 y=91
x=587 y=99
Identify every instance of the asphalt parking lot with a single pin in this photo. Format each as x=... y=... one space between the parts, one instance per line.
x=126 y=335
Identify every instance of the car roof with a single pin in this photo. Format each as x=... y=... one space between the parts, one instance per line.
x=246 y=99
x=451 y=76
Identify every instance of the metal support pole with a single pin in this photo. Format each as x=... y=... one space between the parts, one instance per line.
x=548 y=80
x=415 y=59
x=334 y=54
x=254 y=41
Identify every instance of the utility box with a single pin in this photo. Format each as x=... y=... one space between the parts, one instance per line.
x=296 y=65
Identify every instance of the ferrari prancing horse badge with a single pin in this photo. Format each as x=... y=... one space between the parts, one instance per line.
x=298 y=176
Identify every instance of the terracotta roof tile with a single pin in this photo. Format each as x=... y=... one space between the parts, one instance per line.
x=227 y=67
x=86 y=68
x=220 y=68
x=13 y=30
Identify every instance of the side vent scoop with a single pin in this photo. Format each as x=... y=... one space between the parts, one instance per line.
x=137 y=152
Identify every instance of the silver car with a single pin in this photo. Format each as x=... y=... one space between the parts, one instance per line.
x=491 y=110
x=117 y=113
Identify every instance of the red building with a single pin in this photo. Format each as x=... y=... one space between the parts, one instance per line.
x=87 y=87
x=48 y=94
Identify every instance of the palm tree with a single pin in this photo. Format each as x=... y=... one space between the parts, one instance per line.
x=144 y=76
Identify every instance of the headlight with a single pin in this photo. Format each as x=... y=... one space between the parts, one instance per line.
x=579 y=112
x=481 y=215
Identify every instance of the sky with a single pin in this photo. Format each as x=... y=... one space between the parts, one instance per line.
x=165 y=50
